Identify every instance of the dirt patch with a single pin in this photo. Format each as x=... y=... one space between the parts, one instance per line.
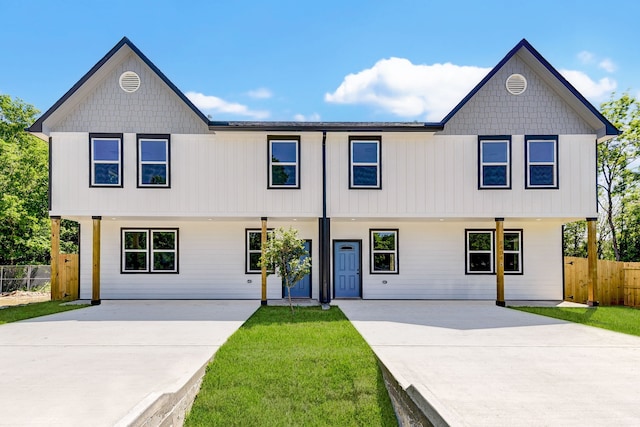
x=23 y=297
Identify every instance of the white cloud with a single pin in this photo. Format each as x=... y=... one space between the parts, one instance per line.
x=588 y=87
x=315 y=117
x=214 y=105
x=607 y=65
x=260 y=93
x=585 y=57
x=398 y=86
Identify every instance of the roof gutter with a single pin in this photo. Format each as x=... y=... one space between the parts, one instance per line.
x=324 y=127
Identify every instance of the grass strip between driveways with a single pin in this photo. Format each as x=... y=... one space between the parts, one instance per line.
x=34 y=309
x=619 y=319
x=311 y=368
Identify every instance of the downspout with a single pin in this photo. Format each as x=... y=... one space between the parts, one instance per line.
x=325 y=295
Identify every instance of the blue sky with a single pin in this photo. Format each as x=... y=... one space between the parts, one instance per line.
x=324 y=60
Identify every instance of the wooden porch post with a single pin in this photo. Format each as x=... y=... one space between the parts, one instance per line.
x=592 y=253
x=500 y=262
x=95 y=292
x=263 y=247
x=55 y=255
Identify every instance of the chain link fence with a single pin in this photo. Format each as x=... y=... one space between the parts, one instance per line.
x=24 y=277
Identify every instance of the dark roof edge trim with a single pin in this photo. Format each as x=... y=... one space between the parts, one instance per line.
x=609 y=127
x=37 y=125
x=333 y=127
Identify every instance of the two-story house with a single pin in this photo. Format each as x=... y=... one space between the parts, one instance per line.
x=172 y=204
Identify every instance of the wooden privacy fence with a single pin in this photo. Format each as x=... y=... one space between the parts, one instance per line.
x=67 y=278
x=618 y=282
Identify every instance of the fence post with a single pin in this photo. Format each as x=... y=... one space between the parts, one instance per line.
x=29 y=277
x=1 y=274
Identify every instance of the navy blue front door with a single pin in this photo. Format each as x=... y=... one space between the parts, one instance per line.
x=302 y=289
x=346 y=269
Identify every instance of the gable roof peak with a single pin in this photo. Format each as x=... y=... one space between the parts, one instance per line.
x=608 y=128
x=37 y=127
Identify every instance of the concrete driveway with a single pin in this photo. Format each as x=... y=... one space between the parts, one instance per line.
x=108 y=364
x=477 y=364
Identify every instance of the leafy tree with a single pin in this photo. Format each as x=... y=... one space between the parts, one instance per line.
x=617 y=174
x=286 y=255
x=25 y=227
x=24 y=224
x=575 y=239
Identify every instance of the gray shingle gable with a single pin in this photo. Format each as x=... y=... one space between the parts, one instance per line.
x=603 y=128
x=153 y=108
x=77 y=94
x=494 y=111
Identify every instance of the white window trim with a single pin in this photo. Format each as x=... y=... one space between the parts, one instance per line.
x=296 y=163
x=150 y=251
x=506 y=163
x=174 y=251
x=374 y=251
x=354 y=164
x=252 y=251
x=105 y=162
x=519 y=251
x=554 y=163
x=491 y=252
x=154 y=162
x=249 y=251
x=126 y=251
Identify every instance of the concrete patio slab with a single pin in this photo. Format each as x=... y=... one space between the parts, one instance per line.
x=105 y=365
x=477 y=364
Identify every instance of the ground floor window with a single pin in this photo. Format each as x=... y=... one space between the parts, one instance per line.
x=480 y=251
x=384 y=251
x=146 y=250
x=253 y=241
x=513 y=251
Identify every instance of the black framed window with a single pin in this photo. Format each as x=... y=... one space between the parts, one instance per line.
x=146 y=250
x=253 y=245
x=541 y=161
x=384 y=251
x=513 y=251
x=284 y=162
x=364 y=162
x=105 y=157
x=494 y=156
x=154 y=161
x=480 y=251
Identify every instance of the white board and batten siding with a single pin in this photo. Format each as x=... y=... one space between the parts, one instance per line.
x=211 y=175
x=436 y=176
x=432 y=261
x=211 y=262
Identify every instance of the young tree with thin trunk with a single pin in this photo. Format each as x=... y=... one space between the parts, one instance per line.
x=285 y=255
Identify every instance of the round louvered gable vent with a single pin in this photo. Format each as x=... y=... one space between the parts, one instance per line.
x=129 y=81
x=516 y=84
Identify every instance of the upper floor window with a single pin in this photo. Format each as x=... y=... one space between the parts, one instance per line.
x=154 y=161
x=284 y=162
x=541 y=158
x=494 y=153
x=106 y=160
x=384 y=251
x=149 y=251
x=364 y=159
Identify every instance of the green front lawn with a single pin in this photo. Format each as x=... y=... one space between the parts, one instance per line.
x=35 y=309
x=308 y=369
x=615 y=318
